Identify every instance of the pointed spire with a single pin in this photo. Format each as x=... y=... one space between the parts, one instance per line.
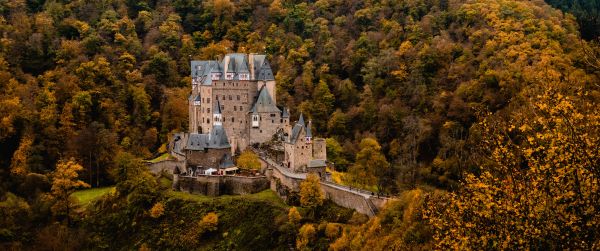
x=301 y=120
x=308 y=132
x=217 y=109
x=285 y=113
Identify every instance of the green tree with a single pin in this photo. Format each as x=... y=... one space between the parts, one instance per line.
x=322 y=105
x=370 y=167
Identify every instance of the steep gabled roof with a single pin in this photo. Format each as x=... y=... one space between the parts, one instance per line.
x=264 y=102
x=202 y=69
x=265 y=72
x=231 y=67
x=218 y=138
x=285 y=113
x=297 y=129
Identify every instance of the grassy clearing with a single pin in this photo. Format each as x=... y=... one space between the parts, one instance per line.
x=164 y=156
x=88 y=195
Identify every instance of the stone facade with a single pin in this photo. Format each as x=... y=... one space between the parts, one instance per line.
x=234 y=99
x=209 y=158
x=244 y=87
x=300 y=149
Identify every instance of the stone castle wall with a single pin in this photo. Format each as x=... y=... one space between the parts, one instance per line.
x=165 y=165
x=210 y=158
x=285 y=182
x=319 y=148
x=215 y=185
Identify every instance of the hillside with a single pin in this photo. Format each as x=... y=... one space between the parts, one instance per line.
x=458 y=98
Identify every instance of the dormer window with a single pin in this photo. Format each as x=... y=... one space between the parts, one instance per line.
x=229 y=76
x=244 y=76
x=216 y=76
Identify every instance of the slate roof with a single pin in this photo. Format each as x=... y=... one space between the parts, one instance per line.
x=197 y=98
x=217 y=139
x=298 y=127
x=226 y=161
x=264 y=103
x=217 y=109
x=238 y=63
x=265 y=72
x=317 y=163
x=285 y=113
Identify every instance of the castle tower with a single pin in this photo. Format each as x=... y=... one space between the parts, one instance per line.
x=308 y=137
x=217 y=116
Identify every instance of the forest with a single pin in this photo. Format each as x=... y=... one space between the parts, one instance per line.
x=481 y=116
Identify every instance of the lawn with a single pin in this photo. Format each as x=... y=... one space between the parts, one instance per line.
x=164 y=156
x=88 y=195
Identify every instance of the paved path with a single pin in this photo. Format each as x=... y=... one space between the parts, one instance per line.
x=289 y=173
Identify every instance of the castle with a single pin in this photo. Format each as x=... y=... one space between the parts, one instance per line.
x=233 y=105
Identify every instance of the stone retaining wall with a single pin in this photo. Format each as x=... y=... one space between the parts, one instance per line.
x=215 y=185
x=165 y=165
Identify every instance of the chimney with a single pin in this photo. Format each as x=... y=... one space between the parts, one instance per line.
x=251 y=65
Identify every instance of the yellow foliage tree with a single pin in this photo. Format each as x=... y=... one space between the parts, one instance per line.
x=539 y=190
x=306 y=235
x=18 y=163
x=209 y=222
x=310 y=192
x=64 y=182
x=248 y=160
x=157 y=210
x=294 y=216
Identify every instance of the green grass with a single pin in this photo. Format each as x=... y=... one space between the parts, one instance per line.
x=266 y=196
x=88 y=195
x=162 y=157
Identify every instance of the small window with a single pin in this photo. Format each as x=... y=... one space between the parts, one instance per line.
x=207 y=100
x=230 y=97
x=241 y=108
x=234 y=108
x=207 y=110
x=222 y=107
x=238 y=97
x=260 y=131
x=232 y=119
x=281 y=121
x=272 y=121
x=223 y=97
x=207 y=120
x=272 y=114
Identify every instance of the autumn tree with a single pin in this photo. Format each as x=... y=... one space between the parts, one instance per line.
x=371 y=167
x=306 y=235
x=248 y=160
x=311 y=195
x=64 y=182
x=294 y=216
x=538 y=189
x=209 y=222
x=322 y=105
